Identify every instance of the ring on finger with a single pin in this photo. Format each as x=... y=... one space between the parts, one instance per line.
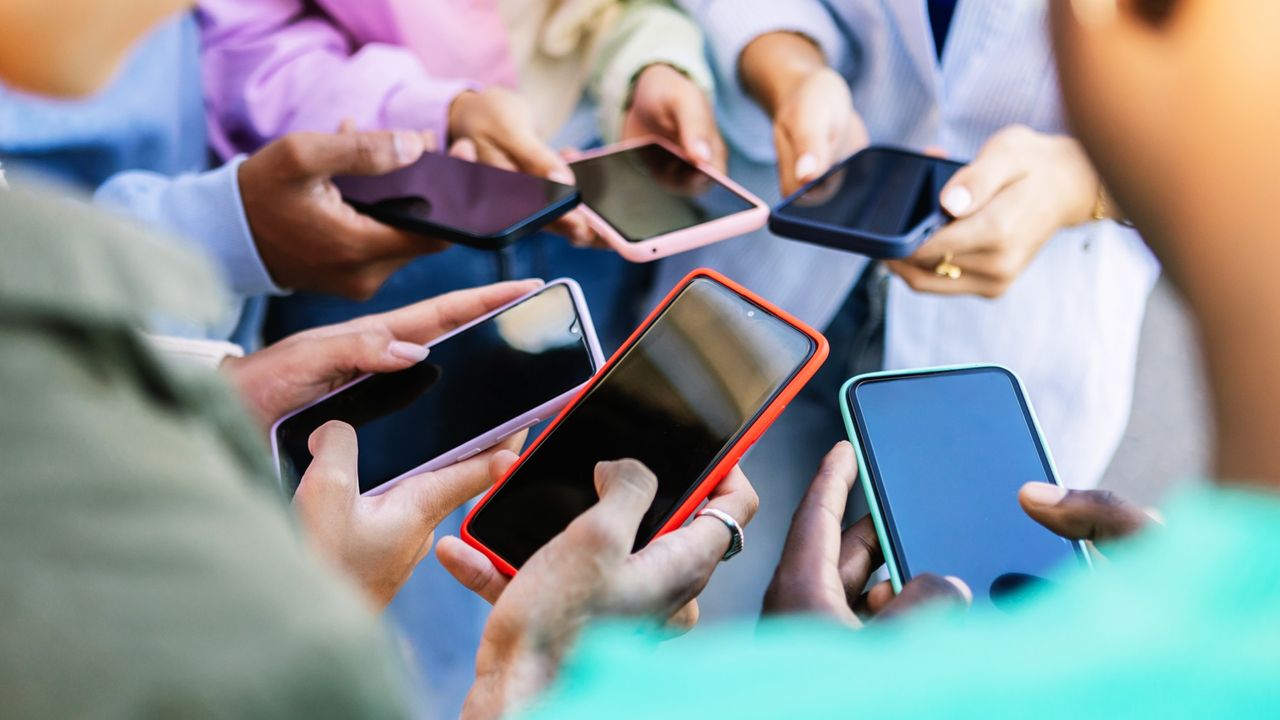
x=947 y=269
x=736 y=538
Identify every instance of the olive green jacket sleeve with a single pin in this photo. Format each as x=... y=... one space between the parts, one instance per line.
x=150 y=565
x=649 y=32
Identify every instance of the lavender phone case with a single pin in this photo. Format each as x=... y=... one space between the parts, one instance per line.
x=503 y=431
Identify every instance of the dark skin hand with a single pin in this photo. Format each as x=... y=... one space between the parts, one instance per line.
x=824 y=569
x=1096 y=516
x=309 y=239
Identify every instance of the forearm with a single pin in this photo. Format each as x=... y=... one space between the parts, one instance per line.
x=775 y=63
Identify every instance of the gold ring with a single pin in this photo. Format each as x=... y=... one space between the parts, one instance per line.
x=948 y=269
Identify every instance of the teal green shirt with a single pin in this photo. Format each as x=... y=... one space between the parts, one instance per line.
x=1183 y=622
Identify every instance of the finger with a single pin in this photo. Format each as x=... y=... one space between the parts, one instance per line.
x=428 y=319
x=331 y=483
x=878 y=596
x=860 y=555
x=438 y=493
x=807 y=577
x=696 y=127
x=936 y=151
x=355 y=153
x=535 y=157
x=684 y=619
x=626 y=488
x=576 y=228
x=347 y=126
x=470 y=567
x=927 y=589
x=1096 y=515
x=491 y=154
x=999 y=164
x=928 y=281
x=464 y=149
x=986 y=237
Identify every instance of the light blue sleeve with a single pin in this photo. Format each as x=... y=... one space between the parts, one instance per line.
x=203 y=208
x=731 y=25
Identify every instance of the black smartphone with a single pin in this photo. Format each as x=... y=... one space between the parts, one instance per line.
x=882 y=202
x=471 y=204
x=943 y=453
x=708 y=371
x=479 y=384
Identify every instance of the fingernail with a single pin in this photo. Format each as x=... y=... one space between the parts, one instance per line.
x=806 y=166
x=957 y=200
x=408 y=351
x=963 y=587
x=561 y=175
x=702 y=151
x=409 y=146
x=1043 y=493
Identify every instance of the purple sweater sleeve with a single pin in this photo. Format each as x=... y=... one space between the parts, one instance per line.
x=271 y=67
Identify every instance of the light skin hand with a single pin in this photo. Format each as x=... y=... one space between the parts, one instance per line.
x=1021 y=189
x=824 y=568
x=814 y=121
x=666 y=103
x=498 y=124
x=586 y=572
x=305 y=366
x=378 y=541
x=309 y=239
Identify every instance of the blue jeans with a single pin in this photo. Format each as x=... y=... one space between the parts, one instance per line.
x=440 y=619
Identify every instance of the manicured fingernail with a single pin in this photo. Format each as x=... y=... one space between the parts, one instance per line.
x=957 y=200
x=1043 y=493
x=702 y=151
x=963 y=587
x=806 y=166
x=561 y=175
x=408 y=351
x=409 y=146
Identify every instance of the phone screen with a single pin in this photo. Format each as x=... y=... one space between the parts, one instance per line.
x=879 y=191
x=467 y=197
x=469 y=384
x=648 y=191
x=676 y=401
x=947 y=453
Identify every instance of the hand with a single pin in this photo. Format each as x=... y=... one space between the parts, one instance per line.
x=1022 y=188
x=496 y=125
x=1095 y=516
x=666 y=103
x=304 y=367
x=585 y=572
x=814 y=122
x=823 y=570
x=309 y=239
x=378 y=541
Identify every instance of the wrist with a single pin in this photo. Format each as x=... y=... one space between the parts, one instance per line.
x=774 y=64
x=506 y=684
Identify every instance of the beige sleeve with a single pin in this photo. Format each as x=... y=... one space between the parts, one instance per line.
x=649 y=32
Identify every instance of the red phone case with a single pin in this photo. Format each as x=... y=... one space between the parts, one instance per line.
x=763 y=420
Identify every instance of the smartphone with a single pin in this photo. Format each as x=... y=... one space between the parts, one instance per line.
x=687 y=395
x=648 y=201
x=479 y=384
x=881 y=202
x=942 y=453
x=471 y=204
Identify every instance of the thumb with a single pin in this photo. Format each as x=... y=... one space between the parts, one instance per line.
x=353 y=153
x=331 y=483
x=626 y=489
x=438 y=493
x=1096 y=515
x=369 y=351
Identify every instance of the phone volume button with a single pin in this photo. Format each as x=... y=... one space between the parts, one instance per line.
x=469 y=454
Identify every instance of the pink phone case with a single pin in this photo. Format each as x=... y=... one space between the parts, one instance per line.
x=527 y=420
x=680 y=240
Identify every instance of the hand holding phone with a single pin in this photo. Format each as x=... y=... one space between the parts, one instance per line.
x=881 y=202
x=942 y=454
x=491 y=378
x=686 y=395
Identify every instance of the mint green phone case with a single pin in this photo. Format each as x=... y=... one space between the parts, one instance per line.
x=895 y=576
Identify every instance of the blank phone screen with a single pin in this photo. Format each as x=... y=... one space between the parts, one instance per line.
x=879 y=191
x=947 y=452
x=469 y=384
x=676 y=401
x=649 y=191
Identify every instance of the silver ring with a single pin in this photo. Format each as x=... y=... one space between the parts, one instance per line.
x=736 y=538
